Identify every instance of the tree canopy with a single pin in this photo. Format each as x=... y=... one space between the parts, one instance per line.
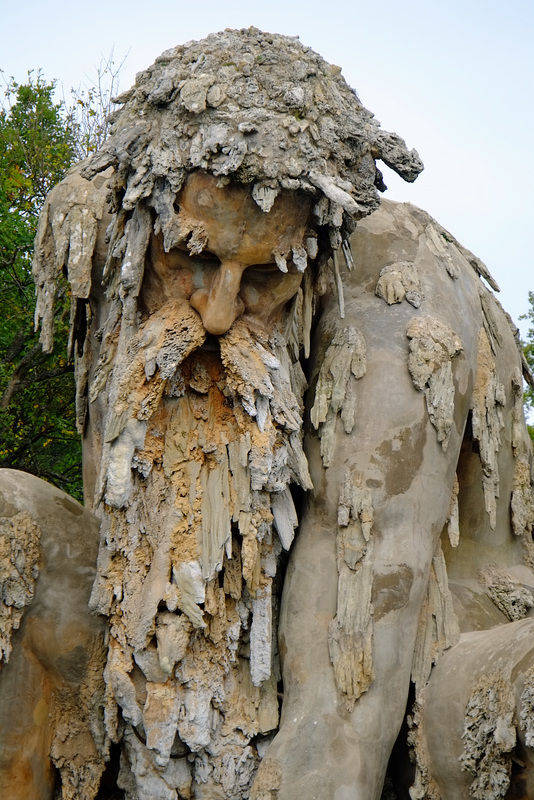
x=37 y=421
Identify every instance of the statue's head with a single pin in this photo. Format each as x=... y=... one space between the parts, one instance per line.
x=235 y=167
x=242 y=128
x=259 y=115
x=258 y=109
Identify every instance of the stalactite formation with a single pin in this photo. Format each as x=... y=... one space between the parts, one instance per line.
x=432 y=347
x=191 y=602
x=487 y=418
x=343 y=362
x=438 y=626
x=398 y=282
x=351 y=631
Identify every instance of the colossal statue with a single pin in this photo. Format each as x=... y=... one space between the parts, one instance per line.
x=305 y=448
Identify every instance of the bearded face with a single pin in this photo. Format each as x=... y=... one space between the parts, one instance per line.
x=201 y=444
x=233 y=259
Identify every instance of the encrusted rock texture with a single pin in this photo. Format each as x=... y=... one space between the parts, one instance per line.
x=375 y=418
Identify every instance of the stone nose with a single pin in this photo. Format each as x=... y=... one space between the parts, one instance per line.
x=220 y=305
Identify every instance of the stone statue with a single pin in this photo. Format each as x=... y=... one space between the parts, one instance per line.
x=304 y=445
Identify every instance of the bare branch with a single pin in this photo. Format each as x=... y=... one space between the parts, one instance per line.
x=93 y=104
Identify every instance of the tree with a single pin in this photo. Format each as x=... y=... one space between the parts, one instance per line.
x=92 y=105
x=39 y=140
x=37 y=420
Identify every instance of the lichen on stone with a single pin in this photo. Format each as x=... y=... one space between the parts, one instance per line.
x=506 y=592
x=19 y=569
x=489 y=736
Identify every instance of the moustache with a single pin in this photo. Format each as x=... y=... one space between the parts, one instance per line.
x=257 y=372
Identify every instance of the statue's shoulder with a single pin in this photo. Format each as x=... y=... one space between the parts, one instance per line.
x=404 y=219
x=401 y=253
x=403 y=233
x=75 y=203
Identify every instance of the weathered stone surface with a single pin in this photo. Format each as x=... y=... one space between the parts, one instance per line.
x=51 y=684
x=480 y=690
x=394 y=453
x=506 y=592
x=244 y=391
x=432 y=347
x=398 y=282
x=20 y=561
x=344 y=361
x=438 y=626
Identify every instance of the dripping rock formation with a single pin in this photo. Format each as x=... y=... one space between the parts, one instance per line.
x=304 y=569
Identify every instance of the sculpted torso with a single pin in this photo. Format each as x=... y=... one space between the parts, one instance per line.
x=313 y=483
x=427 y=489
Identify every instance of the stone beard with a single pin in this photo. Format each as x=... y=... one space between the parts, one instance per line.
x=190 y=397
x=203 y=440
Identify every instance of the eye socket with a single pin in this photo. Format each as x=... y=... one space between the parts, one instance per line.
x=204 y=255
x=262 y=269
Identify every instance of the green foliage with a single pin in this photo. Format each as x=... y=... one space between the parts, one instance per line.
x=528 y=349
x=37 y=425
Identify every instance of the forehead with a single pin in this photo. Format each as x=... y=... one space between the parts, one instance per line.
x=227 y=212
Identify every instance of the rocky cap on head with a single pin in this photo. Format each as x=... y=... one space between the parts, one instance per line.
x=258 y=108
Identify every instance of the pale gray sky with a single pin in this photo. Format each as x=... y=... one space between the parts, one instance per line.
x=454 y=79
